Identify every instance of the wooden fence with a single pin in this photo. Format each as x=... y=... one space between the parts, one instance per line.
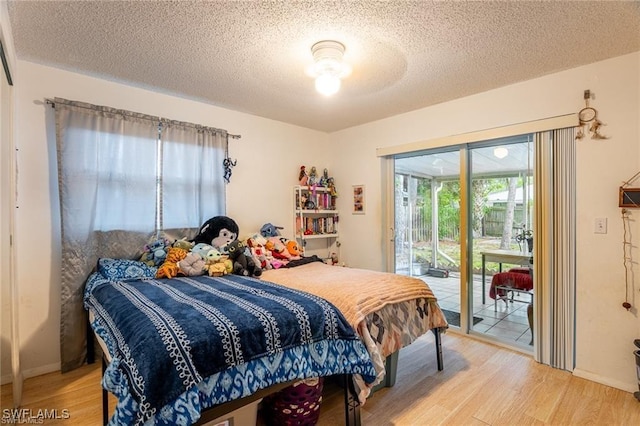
x=492 y=224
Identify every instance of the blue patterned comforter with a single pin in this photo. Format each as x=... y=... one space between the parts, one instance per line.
x=182 y=345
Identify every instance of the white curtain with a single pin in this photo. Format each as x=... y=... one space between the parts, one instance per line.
x=192 y=188
x=124 y=179
x=106 y=178
x=555 y=248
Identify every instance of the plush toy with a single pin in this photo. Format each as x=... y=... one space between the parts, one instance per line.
x=169 y=267
x=202 y=249
x=277 y=249
x=183 y=244
x=242 y=264
x=216 y=264
x=270 y=230
x=155 y=252
x=293 y=249
x=217 y=231
x=261 y=255
x=193 y=264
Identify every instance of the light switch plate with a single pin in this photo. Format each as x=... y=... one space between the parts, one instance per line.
x=600 y=225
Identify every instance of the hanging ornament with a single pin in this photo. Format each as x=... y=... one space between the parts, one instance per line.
x=228 y=164
x=589 y=115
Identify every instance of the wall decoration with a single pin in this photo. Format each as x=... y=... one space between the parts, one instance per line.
x=358 y=199
x=589 y=115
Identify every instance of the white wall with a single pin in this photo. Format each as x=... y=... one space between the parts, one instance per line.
x=268 y=154
x=605 y=331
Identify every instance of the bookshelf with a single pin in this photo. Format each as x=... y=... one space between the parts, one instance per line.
x=316 y=220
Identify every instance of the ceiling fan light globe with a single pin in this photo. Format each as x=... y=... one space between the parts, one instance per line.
x=327 y=84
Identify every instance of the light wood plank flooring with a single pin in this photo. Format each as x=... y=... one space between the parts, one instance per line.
x=481 y=385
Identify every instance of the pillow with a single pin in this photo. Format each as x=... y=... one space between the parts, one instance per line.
x=125 y=269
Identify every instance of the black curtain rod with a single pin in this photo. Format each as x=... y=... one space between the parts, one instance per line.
x=53 y=104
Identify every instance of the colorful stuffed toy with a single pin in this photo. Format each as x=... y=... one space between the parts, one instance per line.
x=293 y=249
x=242 y=264
x=169 y=267
x=216 y=264
x=277 y=248
x=193 y=264
x=217 y=231
x=270 y=230
x=155 y=252
x=183 y=244
x=261 y=255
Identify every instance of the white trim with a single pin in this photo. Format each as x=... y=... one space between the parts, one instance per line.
x=39 y=371
x=388 y=212
x=559 y=122
x=33 y=372
x=605 y=380
x=5 y=379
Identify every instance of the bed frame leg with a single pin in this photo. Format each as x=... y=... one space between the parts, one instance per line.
x=351 y=404
x=91 y=352
x=436 y=332
x=105 y=397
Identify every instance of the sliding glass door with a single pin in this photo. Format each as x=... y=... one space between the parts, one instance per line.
x=501 y=238
x=463 y=216
x=427 y=224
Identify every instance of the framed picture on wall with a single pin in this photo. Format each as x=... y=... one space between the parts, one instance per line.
x=358 y=199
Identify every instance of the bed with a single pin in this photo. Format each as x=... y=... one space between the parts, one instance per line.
x=177 y=347
x=389 y=311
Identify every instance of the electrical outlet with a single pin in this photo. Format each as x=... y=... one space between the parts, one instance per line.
x=600 y=225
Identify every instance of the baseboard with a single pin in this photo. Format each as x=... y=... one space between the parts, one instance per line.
x=6 y=379
x=39 y=371
x=628 y=387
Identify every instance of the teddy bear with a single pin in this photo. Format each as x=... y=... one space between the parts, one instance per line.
x=242 y=264
x=169 y=267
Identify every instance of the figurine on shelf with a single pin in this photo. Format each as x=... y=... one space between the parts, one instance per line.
x=332 y=187
x=302 y=177
x=313 y=176
x=324 y=180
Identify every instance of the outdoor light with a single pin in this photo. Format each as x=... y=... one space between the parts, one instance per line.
x=500 y=152
x=328 y=68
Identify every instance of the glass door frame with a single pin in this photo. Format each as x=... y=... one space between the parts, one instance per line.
x=387 y=157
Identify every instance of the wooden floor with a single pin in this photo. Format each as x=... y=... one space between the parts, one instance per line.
x=481 y=385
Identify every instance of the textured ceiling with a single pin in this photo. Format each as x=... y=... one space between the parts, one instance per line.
x=251 y=56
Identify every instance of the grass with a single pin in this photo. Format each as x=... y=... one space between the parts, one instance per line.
x=422 y=250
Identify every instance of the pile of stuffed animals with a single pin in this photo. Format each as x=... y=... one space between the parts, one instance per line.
x=217 y=251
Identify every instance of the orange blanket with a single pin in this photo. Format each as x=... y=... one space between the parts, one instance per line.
x=357 y=292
